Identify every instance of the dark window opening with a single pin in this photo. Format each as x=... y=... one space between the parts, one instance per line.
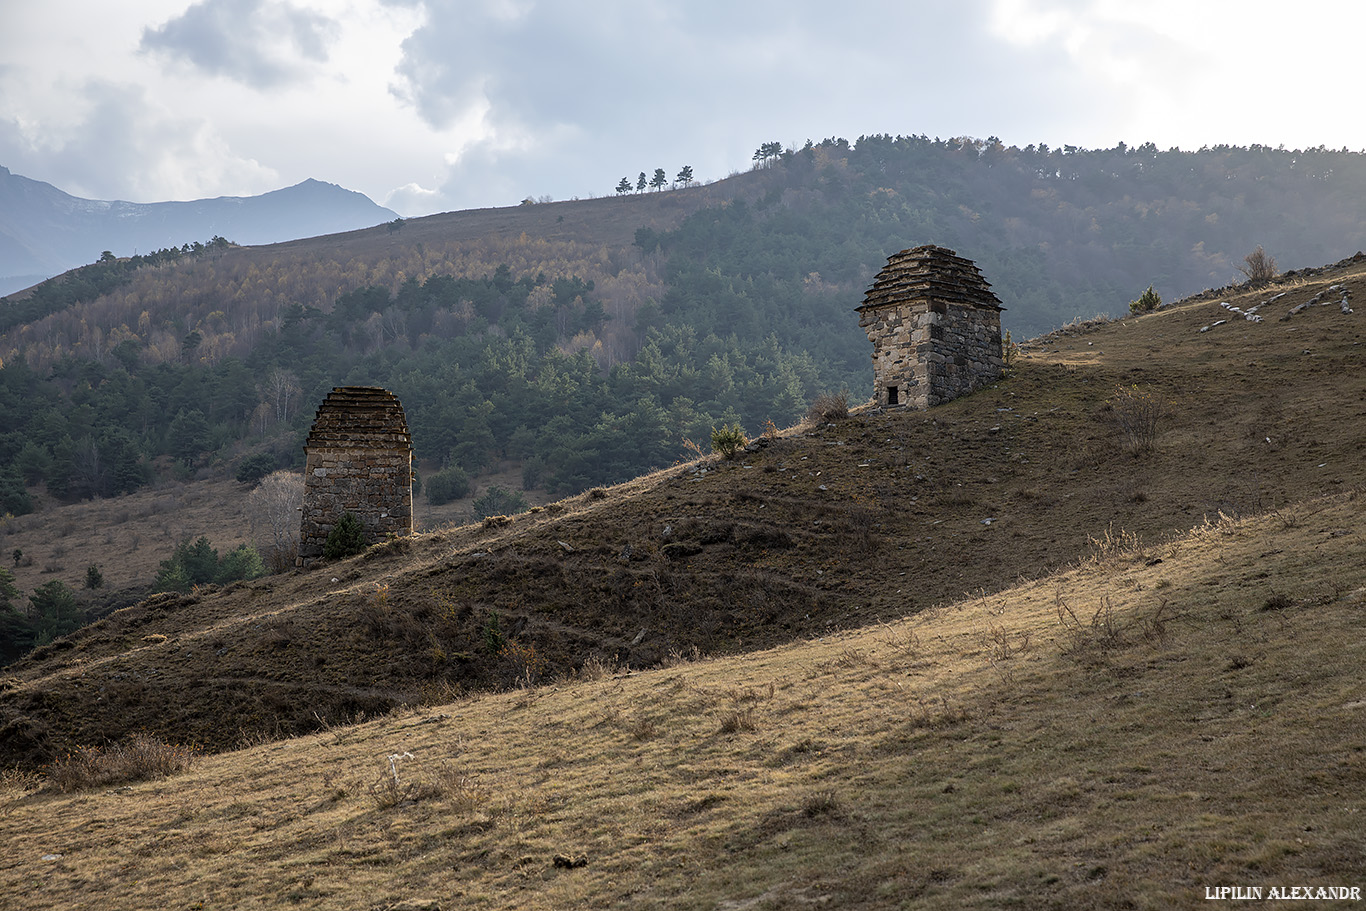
x=892 y=396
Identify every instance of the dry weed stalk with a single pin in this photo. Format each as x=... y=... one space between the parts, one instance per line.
x=902 y=639
x=463 y=792
x=1139 y=414
x=1102 y=632
x=1000 y=645
x=1154 y=626
x=139 y=758
x=1110 y=547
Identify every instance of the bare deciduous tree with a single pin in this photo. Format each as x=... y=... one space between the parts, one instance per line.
x=280 y=389
x=275 y=503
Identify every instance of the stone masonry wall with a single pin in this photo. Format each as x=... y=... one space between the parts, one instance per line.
x=935 y=328
x=359 y=459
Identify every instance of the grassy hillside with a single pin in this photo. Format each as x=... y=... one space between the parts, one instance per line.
x=1122 y=734
x=825 y=527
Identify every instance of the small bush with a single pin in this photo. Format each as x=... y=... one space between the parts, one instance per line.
x=739 y=719
x=1147 y=302
x=347 y=537
x=241 y=563
x=93 y=577
x=499 y=501
x=728 y=441
x=1139 y=414
x=822 y=803
x=527 y=665
x=595 y=668
x=398 y=785
x=828 y=408
x=54 y=612
x=255 y=467
x=446 y=485
x=491 y=633
x=1085 y=638
x=1010 y=350
x=1258 y=267
x=189 y=565
x=139 y=758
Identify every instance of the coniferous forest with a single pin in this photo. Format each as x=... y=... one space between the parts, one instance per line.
x=589 y=358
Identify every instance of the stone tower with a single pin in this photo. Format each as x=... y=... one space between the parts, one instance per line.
x=359 y=459
x=935 y=328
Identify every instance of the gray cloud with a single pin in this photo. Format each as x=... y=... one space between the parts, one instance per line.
x=256 y=42
x=646 y=84
x=495 y=100
x=126 y=147
x=99 y=153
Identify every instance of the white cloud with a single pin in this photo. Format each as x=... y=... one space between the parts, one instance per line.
x=413 y=199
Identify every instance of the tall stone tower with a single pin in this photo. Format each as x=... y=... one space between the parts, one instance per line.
x=935 y=326
x=359 y=459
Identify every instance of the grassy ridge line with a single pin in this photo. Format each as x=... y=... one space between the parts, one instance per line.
x=1200 y=726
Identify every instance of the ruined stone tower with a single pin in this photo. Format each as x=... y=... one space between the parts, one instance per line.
x=359 y=460
x=935 y=328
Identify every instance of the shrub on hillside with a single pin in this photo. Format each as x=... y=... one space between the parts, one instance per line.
x=1147 y=302
x=139 y=758
x=189 y=565
x=199 y=564
x=828 y=408
x=499 y=501
x=728 y=441
x=347 y=537
x=446 y=485
x=1258 y=267
x=1139 y=414
x=54 y=612
x=241 y=563
x=255 y=467
x=1010 y=351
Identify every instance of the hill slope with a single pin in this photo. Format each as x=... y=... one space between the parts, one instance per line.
x=583 y=341
x=1133 y=732
x=815 y=530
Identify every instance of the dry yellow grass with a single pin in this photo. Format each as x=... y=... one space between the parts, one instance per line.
x=1122 y=734
x=1147 y=723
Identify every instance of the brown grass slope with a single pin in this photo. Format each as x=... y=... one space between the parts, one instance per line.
x=816 y=530
x=1124 y=734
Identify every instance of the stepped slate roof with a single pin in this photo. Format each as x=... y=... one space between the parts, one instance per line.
x=359 y=416
x=930 y=273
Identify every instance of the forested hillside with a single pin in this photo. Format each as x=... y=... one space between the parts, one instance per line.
x=588 y=358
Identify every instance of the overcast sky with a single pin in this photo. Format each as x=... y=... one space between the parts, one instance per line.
x=433 y=105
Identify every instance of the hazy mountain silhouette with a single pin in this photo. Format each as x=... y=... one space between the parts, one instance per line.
x=44 y=231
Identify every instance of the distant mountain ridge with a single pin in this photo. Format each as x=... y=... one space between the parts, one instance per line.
x=45 y=231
